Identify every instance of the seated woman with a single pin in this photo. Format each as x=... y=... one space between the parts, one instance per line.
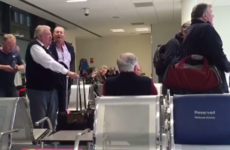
x=91 y=79
x=101 y=75
x=91 y=76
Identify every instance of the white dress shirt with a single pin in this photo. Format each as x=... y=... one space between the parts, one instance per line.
x=40 y=56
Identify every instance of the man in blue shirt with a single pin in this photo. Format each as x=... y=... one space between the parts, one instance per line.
x=10 y=63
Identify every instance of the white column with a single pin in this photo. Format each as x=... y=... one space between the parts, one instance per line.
x=186 y=9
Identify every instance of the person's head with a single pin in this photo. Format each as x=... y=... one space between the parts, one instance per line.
x=103 y=70
x=59 y=35
x=204 y=12
x=9 y=43
x=184 y=27
x=43 y=34
x=92 y=71
x=127 y=62
x=137 y=70
x=17 y=48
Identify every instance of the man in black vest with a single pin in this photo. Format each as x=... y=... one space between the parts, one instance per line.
x=63 y=52
x=127 y=83
x=41 y=76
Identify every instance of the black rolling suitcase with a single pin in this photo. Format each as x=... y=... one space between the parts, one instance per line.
x=83 y=117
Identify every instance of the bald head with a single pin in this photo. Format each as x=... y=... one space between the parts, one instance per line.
x=59 y=35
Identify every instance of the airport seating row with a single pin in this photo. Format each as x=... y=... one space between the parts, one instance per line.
x=196 y=122
x=73 y=97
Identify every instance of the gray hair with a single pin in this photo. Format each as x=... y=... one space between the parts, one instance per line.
x=127 y=62
x=199 y=10
x=39 y=30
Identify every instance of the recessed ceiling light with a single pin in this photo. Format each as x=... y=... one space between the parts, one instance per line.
x=118 y=30
x=142 y=29
x=72 y=1
x=116 y=17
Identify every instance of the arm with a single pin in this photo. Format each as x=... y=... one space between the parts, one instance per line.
x=44 y=59
x=2 y=67
x=20 y=66
x=171 y=50
x=214 y=50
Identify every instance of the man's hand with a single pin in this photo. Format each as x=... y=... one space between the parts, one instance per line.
x=8 y=68
x=19 y=67
x=72 y=75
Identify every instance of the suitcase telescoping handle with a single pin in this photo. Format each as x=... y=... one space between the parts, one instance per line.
x=67 y=92
x=79 y=97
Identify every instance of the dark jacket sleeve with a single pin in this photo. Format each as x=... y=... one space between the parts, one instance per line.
x=72 y=52
x=104 y=90
x=153 y=89
x=214 y=51
x=171 y=49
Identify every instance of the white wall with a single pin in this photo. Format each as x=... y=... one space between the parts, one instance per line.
x=71 y=38
x=221 y=24
x=160 y=35
x=106 y=50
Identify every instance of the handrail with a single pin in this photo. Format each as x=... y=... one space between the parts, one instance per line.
x=45 y=119
x=77 y=139
x=8 y=132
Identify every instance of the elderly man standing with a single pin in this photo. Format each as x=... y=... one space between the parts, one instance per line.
x=41 y=75
x=63 y=52
x=10 y=63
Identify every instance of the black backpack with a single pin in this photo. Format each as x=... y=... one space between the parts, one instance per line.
x=159 y=61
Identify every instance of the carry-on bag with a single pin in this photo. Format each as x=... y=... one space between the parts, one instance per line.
x=183 y=78
x=83 y=117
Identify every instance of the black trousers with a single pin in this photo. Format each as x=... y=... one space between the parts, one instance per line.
x=63 y=103
x=63 y=99
x=9 y=92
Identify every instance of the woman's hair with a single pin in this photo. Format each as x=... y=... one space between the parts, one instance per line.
x=80 y=63
x=90 y=70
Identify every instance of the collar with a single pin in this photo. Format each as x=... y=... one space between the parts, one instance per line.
x=64 y=43
x=195 y=21
x=128 y=74
x=179 y=38
x=40 y=42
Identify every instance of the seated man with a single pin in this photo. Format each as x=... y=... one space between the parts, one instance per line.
x=138 y=70
x=127 y=83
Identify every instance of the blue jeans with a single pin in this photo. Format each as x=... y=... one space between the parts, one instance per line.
x=43 y=104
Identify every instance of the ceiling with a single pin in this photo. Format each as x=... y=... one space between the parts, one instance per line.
x=105 y=15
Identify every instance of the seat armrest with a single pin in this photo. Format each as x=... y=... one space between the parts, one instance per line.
x=43 y=120
x=8 y=132
x=77 y=139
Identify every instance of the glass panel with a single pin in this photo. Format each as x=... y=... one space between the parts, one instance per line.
x=16 y=19
x=21 y=18
x=28 y=21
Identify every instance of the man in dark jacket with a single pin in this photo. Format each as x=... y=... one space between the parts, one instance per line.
x=202 y=39
x=173 y=46
x=63 y=52
x=127 y=83
x=173 y=49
